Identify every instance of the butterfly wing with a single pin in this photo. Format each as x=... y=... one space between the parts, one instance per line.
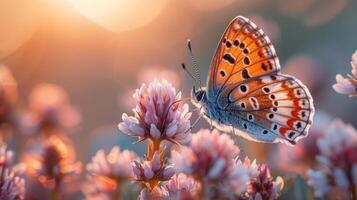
x=279 y=105
x=243 y=52
x=245 y=81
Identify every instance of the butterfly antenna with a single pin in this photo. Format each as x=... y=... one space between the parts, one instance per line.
x=189 y=73
x=195 y=66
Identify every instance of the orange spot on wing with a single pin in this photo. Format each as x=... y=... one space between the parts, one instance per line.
x=283 y=131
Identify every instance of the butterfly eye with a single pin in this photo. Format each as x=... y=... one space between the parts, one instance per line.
x=199 y=95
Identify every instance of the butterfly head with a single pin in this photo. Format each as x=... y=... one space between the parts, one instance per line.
x=198 y=96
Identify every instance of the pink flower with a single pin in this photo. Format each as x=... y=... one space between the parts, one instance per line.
x=261 y=184
x=12 y=187
x=208 y=158
x=354 y=64
x=157 y=193
x=158 y=115
x=109 y=171
x=178 y=187
x=348 y=85
x=302 y=156
x=8 y=99
x=6 y=156
x=52 y=162
x=49 y=107
x=152 y=171
x=182 y=186
x=337 y=159
x=344 y=85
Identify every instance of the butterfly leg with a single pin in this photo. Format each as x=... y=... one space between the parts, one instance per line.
x=194 y=123
x=233 y=130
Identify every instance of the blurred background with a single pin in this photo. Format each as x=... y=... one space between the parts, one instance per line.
x=100 y=51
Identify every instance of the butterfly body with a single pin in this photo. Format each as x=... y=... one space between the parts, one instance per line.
x=246 y=91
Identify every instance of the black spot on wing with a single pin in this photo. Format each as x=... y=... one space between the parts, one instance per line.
x=229 y=58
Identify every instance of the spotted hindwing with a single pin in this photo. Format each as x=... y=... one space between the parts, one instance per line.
x=279 y=104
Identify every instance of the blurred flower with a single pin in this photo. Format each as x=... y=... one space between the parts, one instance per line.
x=302 y=156
x=238 y=178
x=92 y=189
x=52 y=162
x=157 y=193
x=181 y=186
x=178 y=187
x=307 y=69
x=8 y=98
x=49 y=107
x=337 y=160
x=261 y=184
x=150 y=172
x=209 y=158
x=109 y=171
x=348 y=85
x=6 y=156
x=158 y=115
x=12 y=187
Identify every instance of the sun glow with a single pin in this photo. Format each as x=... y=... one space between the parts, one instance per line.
x=119 y=15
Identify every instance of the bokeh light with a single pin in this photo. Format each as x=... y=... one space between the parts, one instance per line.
x=119 y=15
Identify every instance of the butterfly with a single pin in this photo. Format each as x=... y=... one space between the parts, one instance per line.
x=247 y=93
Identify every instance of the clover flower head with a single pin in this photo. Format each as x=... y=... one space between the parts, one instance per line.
x=209 y=156
x=6 y=156
x=261 y=184
x=348 y=85
x=302 y=156
x=49 y=106
x=337 y=160
x=156 y=193
x=108 y=171
x=158 y=115
x=181 y=186
x=8 y=98
x=52 y=162
x=12 y=187
x=152 y=171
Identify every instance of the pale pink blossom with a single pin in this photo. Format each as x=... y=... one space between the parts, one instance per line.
x=8 y=100
x=354 y=64
x=151 y=171
x=344 y=85
x=156 y=193
x=6 y=156
x=158 y=115
x=261 y=184
x=114 y=165
x=179 y=187
x=210 y=156
x=238 y=178
x=49 y=107
x=182 y=186
x=52 y=162
x=337 y=159
x=348 y=85
x=12 y=187
x=108 y=172
x=302 y=156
